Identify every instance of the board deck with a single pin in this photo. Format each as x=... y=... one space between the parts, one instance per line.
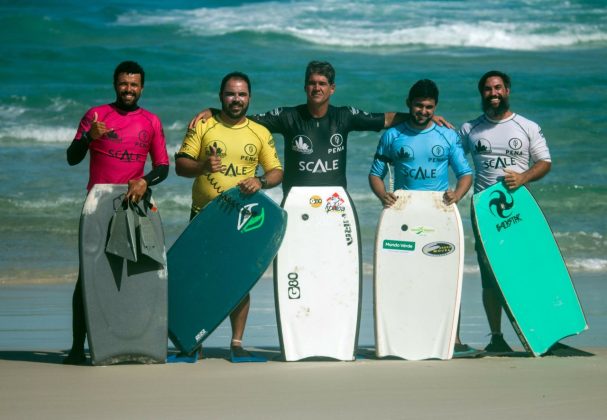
x=217 y=260
x=419 y=260
x=317 y=276
x=125 y=301
x=540 y=299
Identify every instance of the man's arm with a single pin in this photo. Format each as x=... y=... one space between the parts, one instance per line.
x=253 y=184
x=189 y=167
x=203 y=115
x=77 y=150
x=379 y=189
x=138 y=186
x=463 y=185
x=513 y=180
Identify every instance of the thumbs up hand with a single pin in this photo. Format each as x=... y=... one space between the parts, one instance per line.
x=98 y=128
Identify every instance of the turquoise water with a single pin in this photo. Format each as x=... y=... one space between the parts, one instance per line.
x=57 y=59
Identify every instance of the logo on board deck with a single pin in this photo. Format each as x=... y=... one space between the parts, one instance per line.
x=302 y=144
x=249 y=219
x=201 y=334
x=422 y=230
x=315 y=201
x=501 y=206
x=335 y=204
x=438 y=249
x=347 y=230
x=293 y=290
x=394 y=245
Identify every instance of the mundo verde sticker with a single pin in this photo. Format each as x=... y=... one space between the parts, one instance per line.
x=399 y=245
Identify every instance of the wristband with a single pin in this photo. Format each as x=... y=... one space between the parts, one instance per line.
x=263 y=181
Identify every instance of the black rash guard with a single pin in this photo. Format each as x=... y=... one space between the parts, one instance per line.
x=316 y=148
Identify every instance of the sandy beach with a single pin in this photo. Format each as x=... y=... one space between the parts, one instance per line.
x=34 y=384
x=35 y=324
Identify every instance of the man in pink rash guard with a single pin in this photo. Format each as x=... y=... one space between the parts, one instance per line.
x=119 y=136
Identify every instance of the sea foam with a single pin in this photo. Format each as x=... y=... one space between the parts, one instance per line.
x=524 y=25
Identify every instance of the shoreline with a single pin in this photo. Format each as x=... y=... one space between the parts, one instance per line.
x=489 y=387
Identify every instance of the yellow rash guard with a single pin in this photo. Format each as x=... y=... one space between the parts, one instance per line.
x=241 y=147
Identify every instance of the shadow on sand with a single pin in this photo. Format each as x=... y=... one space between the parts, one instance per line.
x=271 y=353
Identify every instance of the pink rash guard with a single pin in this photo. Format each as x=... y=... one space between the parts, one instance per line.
x=120 y=155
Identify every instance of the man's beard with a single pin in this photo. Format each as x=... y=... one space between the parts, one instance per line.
x=235 y=116
x=504 y=105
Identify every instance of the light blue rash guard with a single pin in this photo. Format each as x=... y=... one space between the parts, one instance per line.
x=421 y=158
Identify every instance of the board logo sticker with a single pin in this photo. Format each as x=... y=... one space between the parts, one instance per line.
x=248 y=220
x=398 y=245
x=293 y=291
x=315 y=201
x=422 y=230
x=438 y=249
x=501 y=204
x=347 y=230
x=201 y=334
x=335 y=204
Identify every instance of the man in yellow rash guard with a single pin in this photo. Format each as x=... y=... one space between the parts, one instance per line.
x=224 y=152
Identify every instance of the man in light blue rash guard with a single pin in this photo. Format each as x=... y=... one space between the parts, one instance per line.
x=421 y=152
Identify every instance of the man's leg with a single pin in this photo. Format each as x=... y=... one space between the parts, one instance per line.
x=238 y=320
x=492 y=302
x=493 y=309
x=76 y=355
x=492 y=299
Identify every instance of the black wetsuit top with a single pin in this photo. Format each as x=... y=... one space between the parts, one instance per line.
x=315 y=148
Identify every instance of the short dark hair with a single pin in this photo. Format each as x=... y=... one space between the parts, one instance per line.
x=324 y=68
x=493 y=73
x=129 y=67
x=234 y=75
x=424 y=88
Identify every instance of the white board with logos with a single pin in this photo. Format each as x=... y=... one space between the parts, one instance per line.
x=419 y=261
x=317 y=276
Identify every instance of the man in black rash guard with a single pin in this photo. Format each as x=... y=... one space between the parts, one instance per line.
x=316 y=133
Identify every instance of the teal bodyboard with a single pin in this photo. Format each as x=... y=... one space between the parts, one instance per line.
x=540 y=299
x=217 y=260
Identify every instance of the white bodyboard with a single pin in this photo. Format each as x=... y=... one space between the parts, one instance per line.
x=317 y=276
x=419 y=260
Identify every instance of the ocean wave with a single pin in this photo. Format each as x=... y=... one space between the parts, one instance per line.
x=39 y=133
x=11 y=112
x=587 y=264
x=45 y=205
x=524 y=26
